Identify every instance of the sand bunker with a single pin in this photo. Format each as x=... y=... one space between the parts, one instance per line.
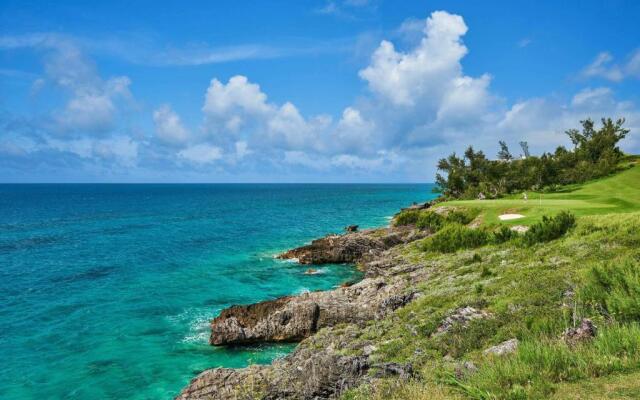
x=506 y=217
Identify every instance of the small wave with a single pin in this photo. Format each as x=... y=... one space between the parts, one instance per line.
x=198 y=331
x=197 y=322
x=303 y=290
x=313 y=271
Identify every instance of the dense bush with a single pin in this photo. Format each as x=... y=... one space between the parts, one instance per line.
x=462 y=216
x=454 y=237
x=430 y=220
x=549 y=228
x=503 y=234
x=433 y=221
x=407 y=217
x=614 y=290
x=595 y=154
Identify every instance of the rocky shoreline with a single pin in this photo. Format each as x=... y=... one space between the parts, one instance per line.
x=325 y=363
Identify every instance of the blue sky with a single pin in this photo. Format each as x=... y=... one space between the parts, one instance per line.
x=301 y=91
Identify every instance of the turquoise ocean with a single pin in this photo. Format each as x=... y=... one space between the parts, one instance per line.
x=106 y=291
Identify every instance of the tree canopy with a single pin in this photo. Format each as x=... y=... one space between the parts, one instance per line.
x=595 y=154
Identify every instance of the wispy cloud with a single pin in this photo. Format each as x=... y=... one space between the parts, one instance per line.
x=17 y=74
x=524 y=42
x=604 y=67
x=203 y=55
x=143 y=50
x=347 y=8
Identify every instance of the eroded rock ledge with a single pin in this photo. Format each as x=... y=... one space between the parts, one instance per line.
x=294 y=318
x=353 y=247
x=318 y=368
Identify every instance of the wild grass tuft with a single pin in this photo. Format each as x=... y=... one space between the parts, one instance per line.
x=613 y=289
x=537 y=365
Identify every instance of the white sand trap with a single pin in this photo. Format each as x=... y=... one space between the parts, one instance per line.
x=507 y=217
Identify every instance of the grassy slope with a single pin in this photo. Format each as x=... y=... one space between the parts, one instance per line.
x=614 y=387
x=525 y=289
x=615 y=194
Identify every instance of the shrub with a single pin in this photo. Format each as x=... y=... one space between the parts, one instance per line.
x=434 y=221
x=614 y=290
x=502 y=234
x=462 y=217
x=407 y=217
x=475 y=258
x=485 y=272
x=549 y=228
x=454 y=237
x=430 y=220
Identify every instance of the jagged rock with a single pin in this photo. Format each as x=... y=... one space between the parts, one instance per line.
x=403 y=371
x=461 y=316
x=311 y=271
x=506 y=347
x=465 y=368
x=307 y=373
x=351 y=228
x=352 y=247
x=418 y=206
x=334 y=249
x=392 y=303
x=225 y=383
x=294 y=318
x=275 y=321
x=586 y=331
x=317 y=369
x=369 y=349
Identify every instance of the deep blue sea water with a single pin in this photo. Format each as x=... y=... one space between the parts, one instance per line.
x=106 y=290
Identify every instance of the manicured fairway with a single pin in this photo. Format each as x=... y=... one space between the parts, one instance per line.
x=615 y=194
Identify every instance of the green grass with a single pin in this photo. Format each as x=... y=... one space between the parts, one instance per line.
x=531 y=287
x=538 y=365
x=619 y=193
x=613 y=387
x=524 y=290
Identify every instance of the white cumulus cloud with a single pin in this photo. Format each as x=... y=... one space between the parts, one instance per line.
x=168 y=126
x=201 y=154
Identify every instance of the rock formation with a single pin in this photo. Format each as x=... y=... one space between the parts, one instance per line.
x=318 y=368
x=506 y=347
x=586 y=331
x=352 y=247
x=290 y=319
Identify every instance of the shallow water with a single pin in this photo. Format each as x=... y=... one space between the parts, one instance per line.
x=106 y=290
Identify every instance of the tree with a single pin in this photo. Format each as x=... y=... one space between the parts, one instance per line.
x=525 y=149
x=504 y=153
x=595 y=154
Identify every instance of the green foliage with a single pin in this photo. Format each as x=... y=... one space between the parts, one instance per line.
x=462 y=216
x=549 y=228
x=595 y=154
x=524 y=291
x=613 y=289
x=503 y=234
x=431 y=221
x=407 y=217
x=454 y=237
x=537 y=365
